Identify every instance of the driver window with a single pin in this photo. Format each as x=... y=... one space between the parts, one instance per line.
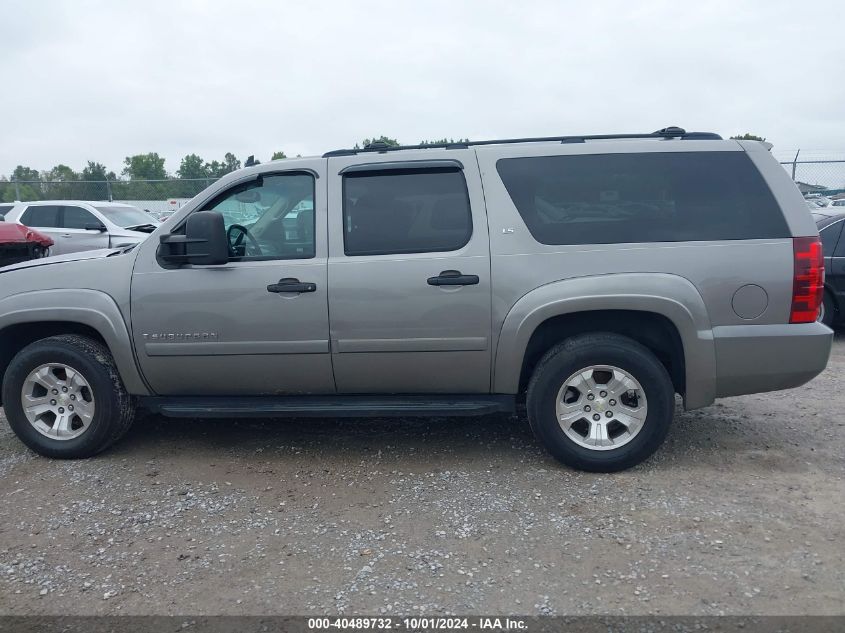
x=269 y=218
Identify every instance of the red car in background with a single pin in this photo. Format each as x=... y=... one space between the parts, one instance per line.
x=20 y=243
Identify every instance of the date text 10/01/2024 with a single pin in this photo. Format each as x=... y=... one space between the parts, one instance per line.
x=417 y=623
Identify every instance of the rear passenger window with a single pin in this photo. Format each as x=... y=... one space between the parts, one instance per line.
x=405 y=211
x=650 y=197
x=44 y=216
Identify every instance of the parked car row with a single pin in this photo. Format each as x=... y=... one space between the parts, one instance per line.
x=825 y=204
x=75 y=225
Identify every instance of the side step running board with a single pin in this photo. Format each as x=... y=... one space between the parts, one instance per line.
x=328 y=406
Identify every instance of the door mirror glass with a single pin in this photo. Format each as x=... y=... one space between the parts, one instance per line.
x=206 y=243
x=203 y=243
x=96 y=226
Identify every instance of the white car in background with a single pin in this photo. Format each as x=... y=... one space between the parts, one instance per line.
x=75 y=225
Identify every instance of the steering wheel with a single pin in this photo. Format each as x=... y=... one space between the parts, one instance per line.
x=236 y=241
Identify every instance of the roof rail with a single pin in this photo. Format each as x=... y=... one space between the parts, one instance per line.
x=670 y=132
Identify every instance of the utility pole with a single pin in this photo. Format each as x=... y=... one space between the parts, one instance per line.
x=795 y=164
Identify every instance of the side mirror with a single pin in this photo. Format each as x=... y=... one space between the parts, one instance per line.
x=97 y=226
x=204 y=242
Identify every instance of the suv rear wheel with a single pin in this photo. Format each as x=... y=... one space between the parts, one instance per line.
x=600 y=402
x=64 y=398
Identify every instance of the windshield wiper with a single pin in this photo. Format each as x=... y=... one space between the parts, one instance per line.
x=143 y=228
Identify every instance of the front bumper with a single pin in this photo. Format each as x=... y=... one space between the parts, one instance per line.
x=755 y=358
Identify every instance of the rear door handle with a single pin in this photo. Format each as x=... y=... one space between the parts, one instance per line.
x=453 y=278
x=292 y=284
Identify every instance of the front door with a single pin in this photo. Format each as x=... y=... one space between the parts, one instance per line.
x=80 y=230
x=409 y=274
x=257 y=325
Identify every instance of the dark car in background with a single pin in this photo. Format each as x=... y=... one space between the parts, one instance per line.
x=833 y=246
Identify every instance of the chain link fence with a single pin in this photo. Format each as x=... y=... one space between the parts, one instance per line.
x=155 y=196
x=816 y=172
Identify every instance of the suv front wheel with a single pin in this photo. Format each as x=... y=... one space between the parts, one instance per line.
x=600 y=402
x=64 y=398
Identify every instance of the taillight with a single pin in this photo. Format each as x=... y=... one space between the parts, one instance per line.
x=807 y=280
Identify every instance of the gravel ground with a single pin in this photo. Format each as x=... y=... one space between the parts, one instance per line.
x=739 y=513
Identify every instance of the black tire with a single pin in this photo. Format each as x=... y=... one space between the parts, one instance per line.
x=114 y=410
x=828 y=314
x=582 y=351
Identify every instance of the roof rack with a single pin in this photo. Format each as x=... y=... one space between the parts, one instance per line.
x=671 y=132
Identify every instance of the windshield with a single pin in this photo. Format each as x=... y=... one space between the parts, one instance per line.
x=126 y=216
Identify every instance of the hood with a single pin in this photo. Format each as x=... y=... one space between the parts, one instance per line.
x=12 y=233
x=59 y=259
x=127 y=235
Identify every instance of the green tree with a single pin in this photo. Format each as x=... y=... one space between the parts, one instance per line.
x=29 y=187
x=144 y=167
x=381 y=139
x=140 y=168
x=25 y=173
x=192 y=166
x=59 y=183
x=218 y=169
x=444 y=141
x=93 y=186
x=278 y=156
x=96 y=171
x=61 y=173
x=748 y=137
x=231 y=163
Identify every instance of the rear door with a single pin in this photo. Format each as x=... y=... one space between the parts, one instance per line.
x=409 y=274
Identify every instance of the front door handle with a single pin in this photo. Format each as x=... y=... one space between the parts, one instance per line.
x=292 y=284
x=453 y=278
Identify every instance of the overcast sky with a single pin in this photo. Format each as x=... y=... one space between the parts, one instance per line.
x=89 y=80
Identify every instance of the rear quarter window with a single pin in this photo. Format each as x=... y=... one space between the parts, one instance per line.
x=646 y=197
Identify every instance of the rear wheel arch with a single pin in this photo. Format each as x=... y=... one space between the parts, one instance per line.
x=652 y=330
x=662 y=311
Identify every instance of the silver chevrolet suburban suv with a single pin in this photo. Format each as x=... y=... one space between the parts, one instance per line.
x=591 y=278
